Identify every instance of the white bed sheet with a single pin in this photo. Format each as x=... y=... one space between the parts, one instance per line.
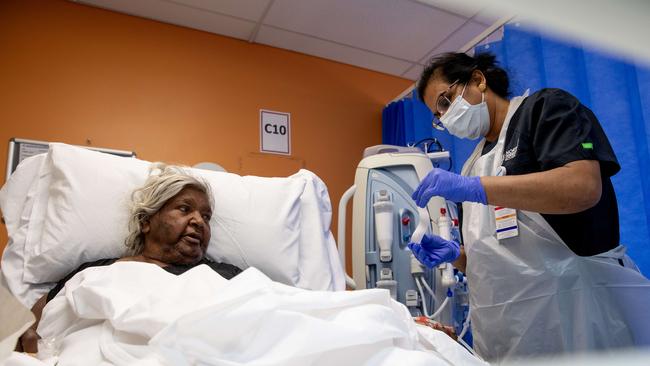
x=136 y=312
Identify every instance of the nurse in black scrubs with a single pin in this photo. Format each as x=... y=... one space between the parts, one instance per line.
x=540 y=220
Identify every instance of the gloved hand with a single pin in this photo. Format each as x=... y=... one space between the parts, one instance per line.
x=435 y=250
x=451 y=186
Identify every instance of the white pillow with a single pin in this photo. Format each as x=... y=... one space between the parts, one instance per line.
x=256 y=220
x=14 y=193
x=16 y=200
x=82 y=216
x=319 y=264
x=40 y=193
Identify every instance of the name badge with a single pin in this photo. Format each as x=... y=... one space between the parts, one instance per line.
x=506 y=222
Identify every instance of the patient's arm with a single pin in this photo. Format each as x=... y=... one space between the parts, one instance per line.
x=28 y=341
x=423 y=320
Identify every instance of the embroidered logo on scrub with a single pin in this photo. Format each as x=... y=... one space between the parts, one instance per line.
x=511 y=153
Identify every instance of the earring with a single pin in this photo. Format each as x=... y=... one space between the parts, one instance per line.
x=481 y=87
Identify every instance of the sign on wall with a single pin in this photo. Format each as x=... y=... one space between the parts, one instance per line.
x=275 y=132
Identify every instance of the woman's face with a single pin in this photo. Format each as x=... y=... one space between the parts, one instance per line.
x=439 y=93
x=179 y=232
x=439 y=90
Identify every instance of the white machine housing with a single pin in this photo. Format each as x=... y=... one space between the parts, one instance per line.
x=385 y=179
x=397 y=156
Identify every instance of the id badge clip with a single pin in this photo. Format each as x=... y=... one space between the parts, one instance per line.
x=505 y=218
x=506 y=222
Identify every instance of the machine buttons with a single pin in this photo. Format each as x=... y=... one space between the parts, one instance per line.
x=386 y=274
x=411 y=297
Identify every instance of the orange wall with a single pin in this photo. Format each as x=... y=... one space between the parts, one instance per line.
x=73 y=73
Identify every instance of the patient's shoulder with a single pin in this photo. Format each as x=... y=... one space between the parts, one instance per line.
x=97 y=263
x=225 y=270
x=60 y=284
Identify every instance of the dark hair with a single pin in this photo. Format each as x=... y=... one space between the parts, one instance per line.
x=459 y=66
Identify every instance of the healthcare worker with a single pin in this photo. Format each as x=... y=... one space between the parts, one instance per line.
x=540 y=227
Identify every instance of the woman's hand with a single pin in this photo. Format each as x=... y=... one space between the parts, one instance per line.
x=451 y=186
x=28 y=341
x=434 y=250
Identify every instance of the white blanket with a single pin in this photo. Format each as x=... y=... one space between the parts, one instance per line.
x=137 y=313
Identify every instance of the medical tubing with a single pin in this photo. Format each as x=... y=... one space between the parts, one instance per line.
x=470 y=349
x=424 y=302
x=462 y=334
x=424 y=283
x=433 y=140
x=440 y=148
x=429 y=290
x=437 y=142
x=440 y=309
x=465 y=325
x=343 y=202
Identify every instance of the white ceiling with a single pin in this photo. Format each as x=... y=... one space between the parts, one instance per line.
x=391 y=36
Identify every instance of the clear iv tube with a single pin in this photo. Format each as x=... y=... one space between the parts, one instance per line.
x=440 y=309
x=464 y=344
x=462 y=334
x=418 y=282
x=429 y=290
x=424 y=302
x=465 y=325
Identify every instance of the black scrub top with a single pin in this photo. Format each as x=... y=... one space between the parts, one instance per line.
x=551 y=128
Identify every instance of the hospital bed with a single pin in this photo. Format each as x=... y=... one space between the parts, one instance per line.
x=69 y=206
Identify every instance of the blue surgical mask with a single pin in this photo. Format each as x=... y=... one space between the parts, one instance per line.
x=465 y=120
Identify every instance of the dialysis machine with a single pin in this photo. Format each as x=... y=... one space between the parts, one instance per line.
x=384 y=220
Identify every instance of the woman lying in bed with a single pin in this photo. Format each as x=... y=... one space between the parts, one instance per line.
x=168 y=226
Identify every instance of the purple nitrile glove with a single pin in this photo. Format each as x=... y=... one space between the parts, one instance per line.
x=434 y=250
x=451 y=186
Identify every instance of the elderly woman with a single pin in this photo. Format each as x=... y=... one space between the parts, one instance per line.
x=168 y=226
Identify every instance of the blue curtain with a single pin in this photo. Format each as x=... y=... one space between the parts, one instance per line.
x=617 y=91
x=394 y=123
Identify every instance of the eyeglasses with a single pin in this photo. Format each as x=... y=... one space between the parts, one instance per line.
x=442 y=105
x=443 y=102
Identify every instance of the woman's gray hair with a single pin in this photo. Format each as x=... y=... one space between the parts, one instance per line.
x=164 y=182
